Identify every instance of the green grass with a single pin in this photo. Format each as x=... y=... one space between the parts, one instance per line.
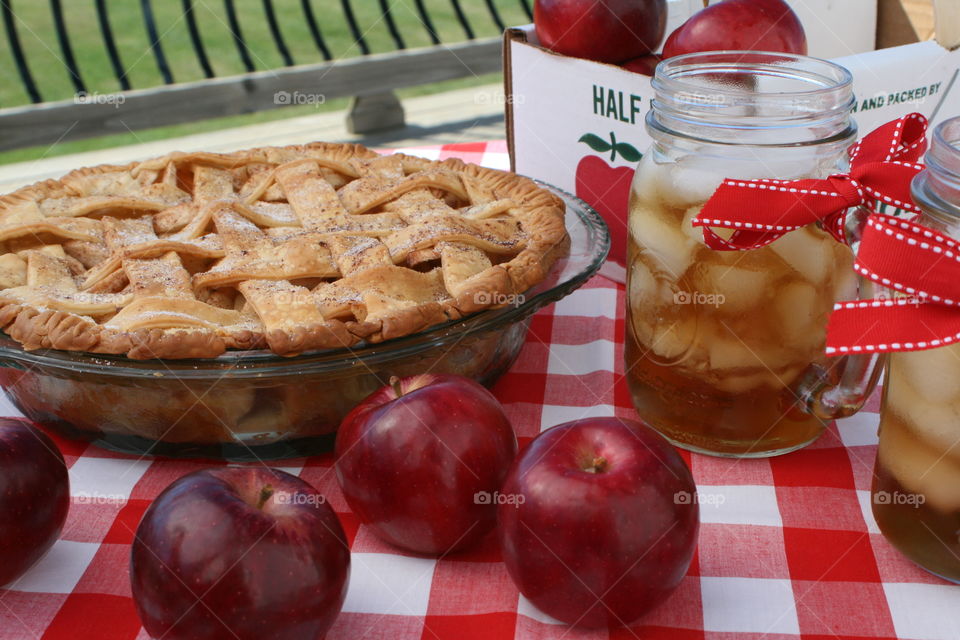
x=37 y=35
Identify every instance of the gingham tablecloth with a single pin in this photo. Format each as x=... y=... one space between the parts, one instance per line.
x=788 y=546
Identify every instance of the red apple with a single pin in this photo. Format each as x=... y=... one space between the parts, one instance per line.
x=239 y=552
x=34 y=496
x=599 y=525
x=756 y=25
x=601 y=30
x=421 y=461
x=646 y=65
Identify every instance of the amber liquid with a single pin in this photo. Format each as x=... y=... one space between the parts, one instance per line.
x=695 y=416
x=719 y=344
x=916 y=485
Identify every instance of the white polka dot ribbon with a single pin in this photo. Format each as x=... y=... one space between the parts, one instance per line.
x=920 y=267
x=882 y=165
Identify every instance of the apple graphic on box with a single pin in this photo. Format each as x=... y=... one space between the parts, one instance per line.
x=601 y=30
x=421 y=460
x=34 y=496
x=239 y=552
x=757 y=25
x=607 y=189
x=602 y=527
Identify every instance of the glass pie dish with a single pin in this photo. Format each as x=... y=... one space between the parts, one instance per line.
x=248 y=405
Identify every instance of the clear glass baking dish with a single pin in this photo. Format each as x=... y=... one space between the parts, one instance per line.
x=257 y=405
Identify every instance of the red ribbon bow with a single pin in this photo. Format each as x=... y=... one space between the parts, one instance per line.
x=922 y=266
x=882 y=165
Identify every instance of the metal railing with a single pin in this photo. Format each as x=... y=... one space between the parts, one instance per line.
x=369 y=75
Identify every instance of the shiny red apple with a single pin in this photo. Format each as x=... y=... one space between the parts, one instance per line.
x=757 y=25
x=34 y=496
x=239 y=552
x=422 y=459
x=601 y=30
x=603 y=523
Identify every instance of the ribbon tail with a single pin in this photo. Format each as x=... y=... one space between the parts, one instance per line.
x=877 y=326
x=906 y=257
x=903 y=139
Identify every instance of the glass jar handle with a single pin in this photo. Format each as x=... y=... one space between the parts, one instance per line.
x=859 y=377
x=859 y=373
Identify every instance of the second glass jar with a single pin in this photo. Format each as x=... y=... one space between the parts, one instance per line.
x=724 y=349
x=916 y=481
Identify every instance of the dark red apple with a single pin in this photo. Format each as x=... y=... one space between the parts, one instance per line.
x=756 y=25
x=421 y=462
x=602 y=525
x=646 y=65
x=34 y=496
x=601 y=30
x=239 y=552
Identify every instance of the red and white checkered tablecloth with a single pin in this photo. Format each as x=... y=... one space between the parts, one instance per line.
x=788 y=548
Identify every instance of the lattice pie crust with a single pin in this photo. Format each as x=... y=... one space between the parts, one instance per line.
x=290 y=249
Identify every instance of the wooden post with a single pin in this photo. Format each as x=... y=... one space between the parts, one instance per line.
x=376 y=112
x=947 y=22
x=893 y=25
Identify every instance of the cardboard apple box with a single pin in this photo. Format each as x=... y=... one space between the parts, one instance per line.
x=579 y=125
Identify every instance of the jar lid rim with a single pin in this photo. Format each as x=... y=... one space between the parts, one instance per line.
x=670 y=73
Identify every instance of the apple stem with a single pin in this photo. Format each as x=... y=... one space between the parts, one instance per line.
x=706 y=3
x=265 y=494
x=613 y=146
x=597 y=465
x=395 y=383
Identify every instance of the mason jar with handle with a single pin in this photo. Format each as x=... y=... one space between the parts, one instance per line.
x=725 y=349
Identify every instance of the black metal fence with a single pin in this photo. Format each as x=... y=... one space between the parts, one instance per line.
x=314 y=68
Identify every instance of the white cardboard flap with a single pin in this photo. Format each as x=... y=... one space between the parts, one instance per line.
x=890 y=83
x=556 y=100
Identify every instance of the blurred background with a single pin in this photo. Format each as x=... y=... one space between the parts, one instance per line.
x=55 y=51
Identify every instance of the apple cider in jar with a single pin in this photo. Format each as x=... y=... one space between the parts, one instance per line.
x=916 y=483
x=724 y=348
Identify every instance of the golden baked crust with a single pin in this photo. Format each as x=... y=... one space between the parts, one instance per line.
x=286 y=248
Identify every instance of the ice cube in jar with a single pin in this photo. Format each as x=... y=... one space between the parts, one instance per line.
x=808 y=251
x=670 y=250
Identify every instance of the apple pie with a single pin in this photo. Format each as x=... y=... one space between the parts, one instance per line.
x=289 y=249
